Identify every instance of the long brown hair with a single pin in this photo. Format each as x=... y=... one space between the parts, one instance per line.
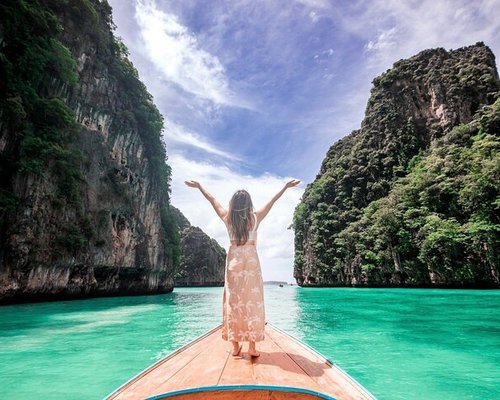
x=240 y=216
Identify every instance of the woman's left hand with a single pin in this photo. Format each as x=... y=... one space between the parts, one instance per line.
x=292 y=183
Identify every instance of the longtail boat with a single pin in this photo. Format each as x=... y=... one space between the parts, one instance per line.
x=206 y=369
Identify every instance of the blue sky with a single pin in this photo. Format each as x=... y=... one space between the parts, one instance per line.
x=255 y=92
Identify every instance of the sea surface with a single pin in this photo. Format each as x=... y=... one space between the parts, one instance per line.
x=399 y=343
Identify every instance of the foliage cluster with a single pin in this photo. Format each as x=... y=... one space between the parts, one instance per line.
x=171 y=241
x=43 y=125
x=443 y=218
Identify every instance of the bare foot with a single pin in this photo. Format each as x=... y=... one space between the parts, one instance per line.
x=236 y=348
x=252 y=352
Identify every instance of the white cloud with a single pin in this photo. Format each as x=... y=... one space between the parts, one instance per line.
x=396 y=29
x=314 y=16
x=385 y=40
x=177 y=54
x=314 y=3
x=175 y=133
x=275 y=241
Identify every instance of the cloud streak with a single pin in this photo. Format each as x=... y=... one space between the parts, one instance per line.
x=177 y=54
x=177 y=134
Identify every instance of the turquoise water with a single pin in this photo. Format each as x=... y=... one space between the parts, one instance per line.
x=399 y=343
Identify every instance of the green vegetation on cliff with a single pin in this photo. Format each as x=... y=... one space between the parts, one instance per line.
x=412 y=197
x=440 y=223
x=33 y=61
x=31 y=56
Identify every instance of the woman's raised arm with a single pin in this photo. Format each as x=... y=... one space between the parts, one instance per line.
x=261 y=214
x=221 y=211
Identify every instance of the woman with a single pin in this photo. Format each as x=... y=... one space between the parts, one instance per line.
x=243 y=300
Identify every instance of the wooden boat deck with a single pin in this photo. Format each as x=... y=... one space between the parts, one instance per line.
x=207 y=362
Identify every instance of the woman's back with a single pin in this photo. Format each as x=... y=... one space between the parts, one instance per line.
x=252 y=233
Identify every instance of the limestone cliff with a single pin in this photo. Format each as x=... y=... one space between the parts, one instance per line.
x=84 y=186
x=202 y=260
x=392 y=203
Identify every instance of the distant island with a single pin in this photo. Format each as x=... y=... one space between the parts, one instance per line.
x=276 y=283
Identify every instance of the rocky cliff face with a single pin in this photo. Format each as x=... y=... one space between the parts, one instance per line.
x=84 y=187
x=202 y=261
x=351 y=227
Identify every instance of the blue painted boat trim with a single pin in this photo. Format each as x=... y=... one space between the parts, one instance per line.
x=229 y=388
x=173 y=353
x=333 y=365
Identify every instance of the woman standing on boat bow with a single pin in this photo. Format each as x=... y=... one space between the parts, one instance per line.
x=243 y=299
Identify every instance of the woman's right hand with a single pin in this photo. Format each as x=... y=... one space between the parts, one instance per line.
x=193 y=184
